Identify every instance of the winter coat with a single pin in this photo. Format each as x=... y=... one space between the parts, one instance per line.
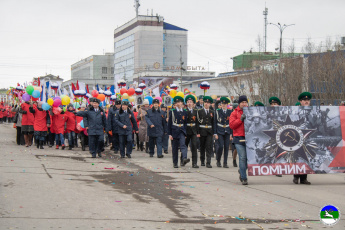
x=96 y=121
x=58 y=123
x=123 y=118
x=236 y=124
x=42 y=118
x=156 y=118
x=71 y=121
x=27 y=118
x=143 y=125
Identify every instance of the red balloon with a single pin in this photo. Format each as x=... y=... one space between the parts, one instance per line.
x=130 y=91
x=123 y=90
x=94 y=93
x=101 y=97
x=34 y=99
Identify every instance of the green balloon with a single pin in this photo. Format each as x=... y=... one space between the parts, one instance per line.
x=29 y=89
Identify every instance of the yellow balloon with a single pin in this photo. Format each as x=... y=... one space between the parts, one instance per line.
x=125 y=96
x=214 y=96
x=131 y=99
x=173 y=93
x=50 y=101
x=196 y=98
x=181 y=94
x=65 y=100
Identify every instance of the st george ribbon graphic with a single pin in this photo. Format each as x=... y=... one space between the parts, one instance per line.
x=295 y=140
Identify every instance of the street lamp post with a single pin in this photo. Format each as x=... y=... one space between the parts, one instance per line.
x=281 y=29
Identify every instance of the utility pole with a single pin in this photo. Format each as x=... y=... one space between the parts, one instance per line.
x=265 y=13
x=181 y=68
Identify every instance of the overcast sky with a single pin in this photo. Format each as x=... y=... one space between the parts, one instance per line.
x=46 y=36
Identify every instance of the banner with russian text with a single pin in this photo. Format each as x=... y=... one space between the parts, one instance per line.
x=286 y=140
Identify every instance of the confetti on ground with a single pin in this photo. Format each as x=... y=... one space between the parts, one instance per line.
x=108 y=168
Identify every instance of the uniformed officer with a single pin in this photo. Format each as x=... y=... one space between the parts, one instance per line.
x=192 y=129
x=200 y=103
x=124 y=119
x=222 y=131
x=177 y=131
x=96 y=123
x=156 y=128
x=165 y=136
x=112 y=126
x=205 y=118
x=304 y=98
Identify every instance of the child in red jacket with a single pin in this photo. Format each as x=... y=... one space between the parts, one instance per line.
x=27 y=123
x=41 y=123
x=70 y=125
x=58 y=126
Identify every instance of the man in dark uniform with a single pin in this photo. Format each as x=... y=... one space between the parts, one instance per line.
x=192 y=129
x=112 y=126
x=124 y=119
x=205 y=118
x=156 y=128
x=200 y=103
x=304 y=99
x=222 y=131
x=96 y=123
x=165 y=140
x=177 y=131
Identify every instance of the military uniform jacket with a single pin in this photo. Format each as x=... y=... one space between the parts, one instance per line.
x=125 y=118
x=111 y=124
x=96 y=121
x=221 y=122
x=177 y=123
x=206 y=122
x=192 y=122
x=156 y=118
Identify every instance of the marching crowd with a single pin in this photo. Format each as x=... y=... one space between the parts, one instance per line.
x=207 y=126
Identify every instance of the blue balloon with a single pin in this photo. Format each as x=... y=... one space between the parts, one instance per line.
x=36 y=94
x=82 y=124
x=150 y=99
x=45 y=106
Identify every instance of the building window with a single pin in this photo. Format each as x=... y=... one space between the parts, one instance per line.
x=164 y=61
x=112 y=70
x=191 y=85
x=104 y=70
x=164 y=37
x=104 y=78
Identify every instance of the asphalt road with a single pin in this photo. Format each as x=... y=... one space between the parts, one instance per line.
x=61 y=189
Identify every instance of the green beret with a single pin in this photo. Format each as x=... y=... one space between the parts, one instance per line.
x=298 y=103
x=258 y=103
x=305 y=96
x=190 y=97
x=225 y=100
x=178 y=99
x=208 y=99
x=201 y=97
x=274 y=100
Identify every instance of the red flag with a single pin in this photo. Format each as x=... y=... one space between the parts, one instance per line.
x=73 y=87
x=87 y=88
x=39 y=82
x=77 y=85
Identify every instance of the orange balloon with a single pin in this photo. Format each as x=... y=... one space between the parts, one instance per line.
x=130 y=91
x=101 y=97
x=123 y=90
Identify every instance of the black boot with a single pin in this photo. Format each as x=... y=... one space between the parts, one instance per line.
x=41 y=145
x=38 y=144
x=141 y=146
x=234 y=163
x=147 y=147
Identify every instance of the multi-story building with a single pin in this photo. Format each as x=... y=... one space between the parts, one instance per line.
x=147 y=43
x=93 y=70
